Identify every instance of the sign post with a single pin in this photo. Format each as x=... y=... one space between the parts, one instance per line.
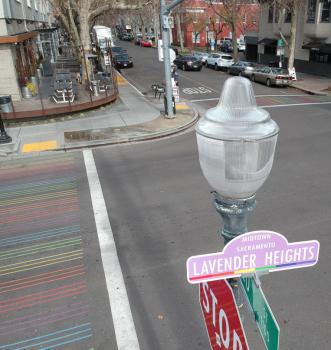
x=261 y=311
x=221 y=316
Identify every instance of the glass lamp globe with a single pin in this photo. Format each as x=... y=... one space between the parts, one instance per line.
x=236 y=142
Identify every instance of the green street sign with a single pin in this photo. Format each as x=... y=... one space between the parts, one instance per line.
x=280 y=42
x=261 y=311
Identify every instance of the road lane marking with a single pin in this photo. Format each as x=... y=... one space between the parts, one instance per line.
x=125 y=331
x=196 y=90
x=199 y=83
x=217 y=98
x=297 y=104
x=39 y=146
x=181 y=106
x=121 y=80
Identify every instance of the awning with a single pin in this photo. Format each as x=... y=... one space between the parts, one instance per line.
x=251 y=40
x=17 y=38
x=268 y=42
x=316 y=46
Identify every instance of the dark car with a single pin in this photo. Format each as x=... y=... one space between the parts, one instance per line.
x=117 y=50
x=123 y=61
x=242 y=68
x=188 y=63
x=139 y=38
x=126 y=37
x=226 y=46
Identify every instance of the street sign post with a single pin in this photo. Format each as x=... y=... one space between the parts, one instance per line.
x=221 y=316
x=261 y=312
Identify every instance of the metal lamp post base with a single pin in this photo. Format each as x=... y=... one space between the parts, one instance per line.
x=234 y=213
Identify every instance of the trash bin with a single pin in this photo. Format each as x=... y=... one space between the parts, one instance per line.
x=166 y=105
x=5 y=104
x=95 y=87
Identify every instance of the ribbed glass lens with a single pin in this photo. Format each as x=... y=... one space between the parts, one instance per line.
x=236 y=142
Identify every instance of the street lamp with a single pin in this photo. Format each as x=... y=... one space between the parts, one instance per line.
x=236 y=144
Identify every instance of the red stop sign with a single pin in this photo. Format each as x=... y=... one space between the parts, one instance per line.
x=221 y=316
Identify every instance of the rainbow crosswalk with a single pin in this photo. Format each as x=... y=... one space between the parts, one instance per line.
x=44 y=291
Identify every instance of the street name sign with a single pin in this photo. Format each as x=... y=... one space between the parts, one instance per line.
x=250 y=252
x=221 y=316
x=261 y=312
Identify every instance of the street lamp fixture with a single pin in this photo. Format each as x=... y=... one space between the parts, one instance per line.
x=236 y=144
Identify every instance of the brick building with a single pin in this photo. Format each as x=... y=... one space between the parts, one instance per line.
x=200 y=24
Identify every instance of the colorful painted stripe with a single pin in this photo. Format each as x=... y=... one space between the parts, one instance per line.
x=40 y=248
x=43 y=278
x=241 y=272
x=76 y=311
x=42 y=274
x=53 y=233
x=26 y=301
x=60 y=337
x=41 y=262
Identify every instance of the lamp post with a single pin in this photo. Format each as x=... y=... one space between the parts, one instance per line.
x=236 y=144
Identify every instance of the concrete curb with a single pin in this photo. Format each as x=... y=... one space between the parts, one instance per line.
x=148 y=137
x=311 y=92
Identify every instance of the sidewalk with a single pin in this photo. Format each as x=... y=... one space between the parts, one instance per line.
x=131 y=118
x=313 y=84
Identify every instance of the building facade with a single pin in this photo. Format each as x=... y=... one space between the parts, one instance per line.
x=200 y=23
x=20 y=21
x=313 y=38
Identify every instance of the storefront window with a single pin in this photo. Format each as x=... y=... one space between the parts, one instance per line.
x=195 y=38
x=325 y=15
x=271 y=14
x=316 y=56
x=311 y=11
x=288 y=16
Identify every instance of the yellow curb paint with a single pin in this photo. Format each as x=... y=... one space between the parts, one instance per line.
x=39 y=146
x=121 y=80
x=181 y=106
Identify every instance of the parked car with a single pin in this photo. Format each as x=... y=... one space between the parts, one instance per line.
x=126 y=37
x=242 y=68
x=188 y=63
x=219 y=61
x=241 y=45
x=146 y=43
x=138 y=39
x=202 y=56
x=226 y=46
x=123 y=61
x=272 y=76
x=117 y=50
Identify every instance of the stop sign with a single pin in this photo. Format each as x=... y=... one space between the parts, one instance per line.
x=221 y=316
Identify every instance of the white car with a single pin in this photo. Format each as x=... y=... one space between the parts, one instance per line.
x=241 y=46
x=202 y=56
x=219 y=61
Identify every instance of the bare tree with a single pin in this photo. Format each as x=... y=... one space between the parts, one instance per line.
x=78 y=16
x=216 y=25
x=229 y=11
x=285 y=8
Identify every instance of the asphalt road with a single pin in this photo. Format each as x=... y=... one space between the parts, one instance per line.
x=162 y=213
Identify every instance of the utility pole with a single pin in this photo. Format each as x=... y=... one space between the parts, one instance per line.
x=164 y=20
